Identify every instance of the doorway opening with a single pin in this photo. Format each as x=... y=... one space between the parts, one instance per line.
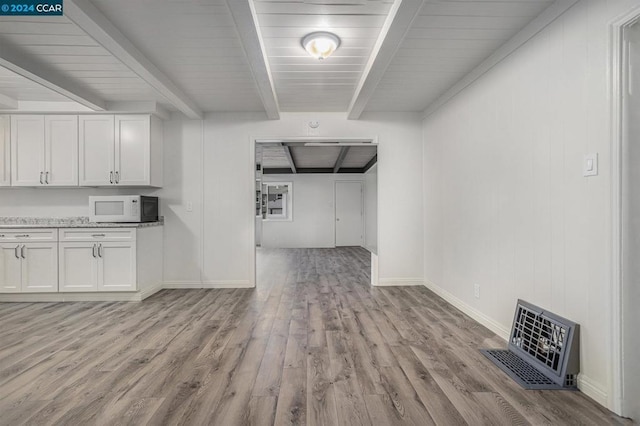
x=626 y=214
x=312 y=194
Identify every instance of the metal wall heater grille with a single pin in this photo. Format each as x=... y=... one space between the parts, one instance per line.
x=540 y=337
x=543 y=350
x=520 y=371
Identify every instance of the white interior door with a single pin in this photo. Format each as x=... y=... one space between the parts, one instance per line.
x=349 y=223
x=631 y=232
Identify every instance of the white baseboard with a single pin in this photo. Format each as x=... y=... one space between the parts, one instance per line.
x=208 y=284
x=483 y=319
x=150 y=291
x=587 y=386
x=72 y=297
x=593 y=390
x=399 y=282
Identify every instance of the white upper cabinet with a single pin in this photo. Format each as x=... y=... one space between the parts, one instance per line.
x=5 y=151
x=44 y=150
x=27 y=150
x=97 y=150
x=133 y=150
x=61 y=150
x=123 y=150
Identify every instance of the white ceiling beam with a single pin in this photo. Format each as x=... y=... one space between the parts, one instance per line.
x=394 y=30
x=538 y=24
x=246 y=20
x=7 y=102
x=46 y=76
x=86 y=16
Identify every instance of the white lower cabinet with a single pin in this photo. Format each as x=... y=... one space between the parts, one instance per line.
x=91 y=261
x=29 y=267
x=78 y=267
x=117 y=267
x=81 y=260
x=10 y=268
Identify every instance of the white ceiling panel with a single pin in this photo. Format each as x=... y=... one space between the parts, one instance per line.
x=198 y=47
x=195 y=43
x=303 y=83
x=445 y=42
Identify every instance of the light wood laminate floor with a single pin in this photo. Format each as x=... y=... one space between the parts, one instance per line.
x=313 y=344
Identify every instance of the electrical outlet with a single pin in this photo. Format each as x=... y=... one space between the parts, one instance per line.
x=476 y=290
x=189 y=206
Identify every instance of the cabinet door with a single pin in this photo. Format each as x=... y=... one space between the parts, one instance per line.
x=61 y=150
x=5 y=156
x=117 y=267
x=133 y=149
x=39 y=267
x=78 y=267
x=97 y=150
x=27 y=150
x=10 y=268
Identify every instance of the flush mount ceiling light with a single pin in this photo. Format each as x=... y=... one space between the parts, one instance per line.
x=320 y=44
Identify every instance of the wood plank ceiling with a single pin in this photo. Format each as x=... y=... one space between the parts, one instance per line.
x=272 y=158
x=196 y=45
x=55 y=44
x=304 y=83
x=446 y=41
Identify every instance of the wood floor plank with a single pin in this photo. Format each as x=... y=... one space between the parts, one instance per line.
x=314 y=343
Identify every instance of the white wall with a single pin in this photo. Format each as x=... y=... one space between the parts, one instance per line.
x=313 y=223
x=371 y=209
x=212 y=245
x=506 y=205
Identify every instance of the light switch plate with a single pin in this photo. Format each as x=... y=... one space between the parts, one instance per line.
x=590 y=165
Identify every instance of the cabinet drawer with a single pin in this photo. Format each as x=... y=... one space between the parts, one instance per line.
x=97 y=234
x=29 y=235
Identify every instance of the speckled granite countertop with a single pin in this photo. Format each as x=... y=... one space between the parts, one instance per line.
x=67 y=222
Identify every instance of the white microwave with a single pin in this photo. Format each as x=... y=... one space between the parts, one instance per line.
x=123 y=208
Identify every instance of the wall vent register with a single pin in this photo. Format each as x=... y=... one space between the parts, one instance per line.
x=543 y=350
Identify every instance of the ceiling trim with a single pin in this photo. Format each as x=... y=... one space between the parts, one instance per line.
x=287 y=151
x=307 y=170
x=246 y=21
x=370 y=164
x=538 y=24
x=48 y=77
x=7 y=102
x=396 y=26
x=341 y=157
x=86 y=16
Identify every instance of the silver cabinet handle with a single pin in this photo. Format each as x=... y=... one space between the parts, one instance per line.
x=111 y=177
x=94 y=250
x=117 y=177
x=46 y=178
x=16 y=251
x=22 y=252
x=22 y=236
x=41 y=181
x=100 y=252
x=98 y=235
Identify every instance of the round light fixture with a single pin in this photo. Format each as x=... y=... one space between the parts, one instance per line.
x=320 y=44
